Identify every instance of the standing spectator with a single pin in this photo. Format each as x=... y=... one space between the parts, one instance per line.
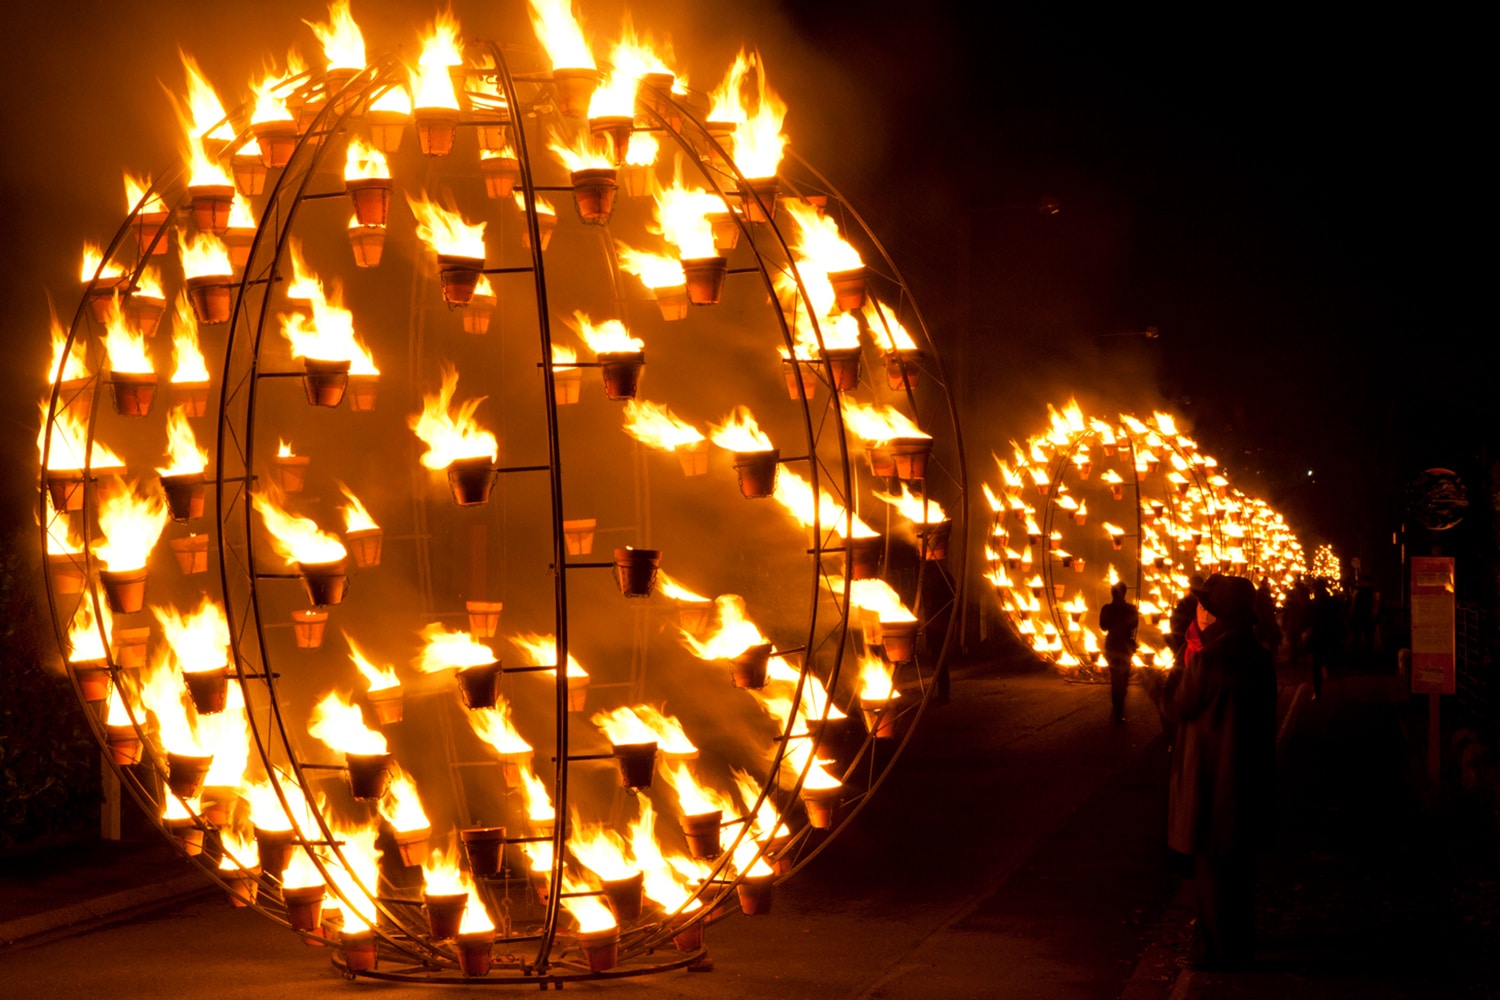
x=1266 y=629
x=1222 y=786
x=1118 y=621
x=1295 y=618
x=1364 y=613
x=1183 y=627
x=1325 y=634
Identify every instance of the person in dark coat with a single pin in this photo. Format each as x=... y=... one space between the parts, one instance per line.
x=1295 y=618
x=1325 y=635
x=1222 y=794
x=1182 y=625
x=1118 y=620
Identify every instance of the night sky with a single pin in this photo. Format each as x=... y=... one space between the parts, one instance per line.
x=1290 y=197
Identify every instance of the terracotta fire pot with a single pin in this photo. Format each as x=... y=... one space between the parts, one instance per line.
x=308 y=626
x=637 y=763
x=755 y=894
x=690 y=938
x=277 y=140
x=801 y=378
x=471 y=479
x=483 y=845
x=209 y=689
x=458 y=276
x=672 y=301
x=578 y=693
x=616 y=129
x=578 y=535
x=66 y=490
x=843 y=367
x=130 y=646
x=477 y=316
x=625 y=895
x=211 y=204
x=358 y=947
x=436 y=129
x=574 y=89
x=192 y=553
x=601 y=948
x=133 y=392
x=369 y=774
x=880 y=718
x=187 y=833
x=702 y=832
x=476 y=952
x=865 y=557
x=635 y=570
x=694 y=458
x=934 y=539
x=124 y=589
x=192 y=397
x=93 y=679
x=67 y=572
x=445 y=913
x=389 y=704
x=545 y=224
x=241 y=885
x=325 y=582
x=909 y=456
x=761 y=192
x=145 y=312
x=484 y=617
x=249 y=173
x=304 y=906
x=822 y=806
x=274 y=847
x=900 y=640
x=622 y=372
x=749 y=668
x=695 y=617
x=500 y=174
x=594 y=195
x=372 y=199
x=368 y=243
x=325 y=380
x=148 y=225
x=849 y=288
x=567 y=385
x=902 y=369
x=238 y=240
x=412 y=845
x=386 y=129
x=757 y=472
x=212 y=296
x=726 y=230
x=364 y=545
x=184 y=494
x=480 y=686
x=705 y=279
x=186 y=772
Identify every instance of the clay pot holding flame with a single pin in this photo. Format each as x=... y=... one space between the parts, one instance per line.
x=760 y=198
x=476 y=952
x=211 y=204
x=757 y=472
x=325 y=381
x=637 y=763
x=625 y=896
x=749 y=668
x=622 y=373
x=500 y=174
x=369 y=774
x=594 y=192
x=184 y=493
x=601 y=948
x=849 y=288
x=471 y=479
x=304 y=906
x=483 y=845
x=325 y=582
x=133 y=392
x=702 y=832
x=479 y=686
x=436 y=128
x=209 y=689
x=372 y=199
x=635 y=570
x=459 y=276
x=445 y=914
x=754 y=892
x=124 y=589
x=705 y=279
x=574 y=88
x=902 y=368
x=843 y=367
x=368 y=244
x=211 y=296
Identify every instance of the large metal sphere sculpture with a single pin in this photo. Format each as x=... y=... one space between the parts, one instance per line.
x=378 y=490
x=1089 y=502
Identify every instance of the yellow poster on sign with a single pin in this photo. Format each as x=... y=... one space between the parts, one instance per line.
x=1432 y=641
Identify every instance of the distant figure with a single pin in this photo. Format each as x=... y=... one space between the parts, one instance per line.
x=1118 y=621
x=1364 y=614
x=1295 y=618
x=1325 y=634
x=1222 y=793
x=1266 y=629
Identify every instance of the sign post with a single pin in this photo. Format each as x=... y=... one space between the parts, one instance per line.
x=1433 y=660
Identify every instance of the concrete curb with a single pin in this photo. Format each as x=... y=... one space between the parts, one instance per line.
x=82 y=915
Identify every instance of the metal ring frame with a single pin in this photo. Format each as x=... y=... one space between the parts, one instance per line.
x=938 y=589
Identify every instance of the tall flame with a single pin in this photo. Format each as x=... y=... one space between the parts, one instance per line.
x=130 y=524
x=450 y=433
x=295 y=538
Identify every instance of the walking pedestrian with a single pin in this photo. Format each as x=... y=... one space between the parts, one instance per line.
x=1118 y=620
x=1325 y=635
x=1222 y=785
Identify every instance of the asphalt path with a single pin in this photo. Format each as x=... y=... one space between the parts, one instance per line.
x=1016 y=851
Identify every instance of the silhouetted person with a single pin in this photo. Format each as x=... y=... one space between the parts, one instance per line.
x=1295 y=618
x=1364 y=613
x=1266 y=629
x=1222 y=787
x=1118 y=621
x=1325 y=634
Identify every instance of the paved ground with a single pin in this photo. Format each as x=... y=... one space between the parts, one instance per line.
x=1016 y=852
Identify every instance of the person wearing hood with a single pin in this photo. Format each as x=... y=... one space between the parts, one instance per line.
x=1118 y=620
x=1222 y=791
